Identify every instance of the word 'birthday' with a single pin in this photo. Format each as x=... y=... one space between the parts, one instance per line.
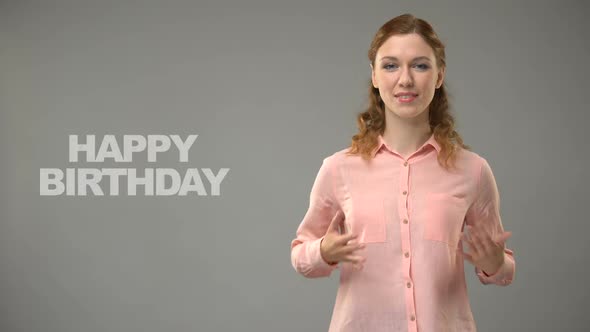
x=154 y=181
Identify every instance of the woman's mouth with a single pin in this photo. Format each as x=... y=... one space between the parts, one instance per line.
x=406 y=98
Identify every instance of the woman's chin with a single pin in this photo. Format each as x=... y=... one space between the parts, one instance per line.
x=407 y=113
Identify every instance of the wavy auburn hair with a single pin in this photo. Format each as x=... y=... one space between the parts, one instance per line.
x=371 y=122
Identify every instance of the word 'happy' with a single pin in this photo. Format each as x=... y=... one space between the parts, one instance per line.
x=155 y=181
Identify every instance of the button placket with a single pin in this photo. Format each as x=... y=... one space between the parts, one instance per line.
x=406 y=244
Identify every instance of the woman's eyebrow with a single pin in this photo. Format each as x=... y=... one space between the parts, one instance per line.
x=396 y=59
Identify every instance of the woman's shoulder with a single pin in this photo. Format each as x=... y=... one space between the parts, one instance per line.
x=340 y=156
x=333 y=157
x=471 y=159
x=468 y=155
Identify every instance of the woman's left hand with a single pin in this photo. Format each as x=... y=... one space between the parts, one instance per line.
x=485 y=252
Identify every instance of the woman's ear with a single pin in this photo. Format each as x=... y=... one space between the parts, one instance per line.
x=441 y=77
x=373 y=79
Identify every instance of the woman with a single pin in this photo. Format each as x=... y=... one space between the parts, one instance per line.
x=395 y=210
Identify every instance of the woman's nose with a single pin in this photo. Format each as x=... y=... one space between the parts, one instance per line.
x=405 y=78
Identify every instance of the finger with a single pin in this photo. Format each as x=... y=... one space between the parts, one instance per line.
x=486 y=243
x=476 y=241
x=341 y=224
x=503 y=237
x=355 y=242
x=343 y=239
x=468 y=232
x=335 y=223
x=469 y=247
x=484 y=233
x=350 y=251
x=358 y=266
x=354 y=258
x=468 y=257
x=349 y=248
x=466 y=239
x=357 y=261
x=472 y=248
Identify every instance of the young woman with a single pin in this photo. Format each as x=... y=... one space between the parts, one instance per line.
x=394 y=211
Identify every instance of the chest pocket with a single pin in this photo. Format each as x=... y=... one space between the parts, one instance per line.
x=444 y=218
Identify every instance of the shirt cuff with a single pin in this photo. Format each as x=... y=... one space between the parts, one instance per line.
x=503 y=276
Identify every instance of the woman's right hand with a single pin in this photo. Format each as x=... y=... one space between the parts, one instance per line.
x=336 y=247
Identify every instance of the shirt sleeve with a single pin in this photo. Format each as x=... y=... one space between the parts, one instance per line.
x=486 y=209
x=305 y=248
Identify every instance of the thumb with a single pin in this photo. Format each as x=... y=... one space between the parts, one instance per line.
x=468 y=257
x=501 y=239
x=335 y=223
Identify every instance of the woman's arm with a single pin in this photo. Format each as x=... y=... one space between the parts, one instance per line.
x=486 y=241
x=305 y=248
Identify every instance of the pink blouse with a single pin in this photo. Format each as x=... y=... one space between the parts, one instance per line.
x=410 y=213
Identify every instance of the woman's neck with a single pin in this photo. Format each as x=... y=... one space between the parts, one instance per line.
x=406 y=135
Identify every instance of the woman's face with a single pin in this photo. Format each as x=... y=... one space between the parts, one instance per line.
x=406 y=63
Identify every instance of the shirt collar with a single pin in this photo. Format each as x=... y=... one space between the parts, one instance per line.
x=381 y=143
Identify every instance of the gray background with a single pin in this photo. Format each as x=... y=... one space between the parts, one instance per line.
x=271 y=88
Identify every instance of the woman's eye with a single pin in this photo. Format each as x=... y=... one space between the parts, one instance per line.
x=391 y=66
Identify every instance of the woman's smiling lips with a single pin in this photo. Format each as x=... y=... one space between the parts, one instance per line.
x=405 y=97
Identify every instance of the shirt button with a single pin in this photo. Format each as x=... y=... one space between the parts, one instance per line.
x=409 y=285
x=406 y=163
x=405 y=221
x=413 y=318
x=407 y=254
x=405 y=192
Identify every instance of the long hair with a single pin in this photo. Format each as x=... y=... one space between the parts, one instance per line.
x=371 y=122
